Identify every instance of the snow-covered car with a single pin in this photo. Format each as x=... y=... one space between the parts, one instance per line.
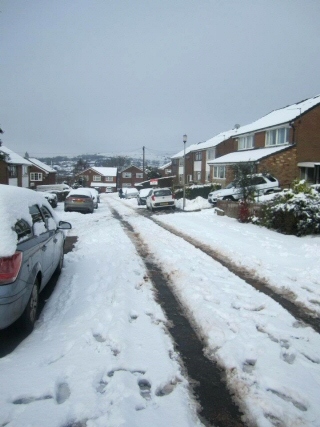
x=31 y=250
x=79 y=200
x=129 y=193
x=262 y=184
x=95 y=196
x=160 y=198
x=142 y=196
x=52 y=198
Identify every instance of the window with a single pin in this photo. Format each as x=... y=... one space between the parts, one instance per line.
x=24 y=170
x=97 y=178
x=180 y=178
x=36 y=214
x=277 y=136
x=126 y=174
x=245 y=142
x=307 y=174
x=167 y=171
x=197 y=176
x=181 y=162
x=198 y=155
x=108 y=178
x=36 y=176
x=126 y=184
x=219 y=172
x=23 y=229
x=139 y=175
x=12 y=169
x=189 y=178
x=211 y=153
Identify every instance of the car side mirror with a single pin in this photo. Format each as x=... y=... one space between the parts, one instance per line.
x=64 y=225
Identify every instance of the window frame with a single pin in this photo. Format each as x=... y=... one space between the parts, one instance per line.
x=219 y=169
x=36 y=176
x=126 y=175
x=246 y=142
x=274 y=135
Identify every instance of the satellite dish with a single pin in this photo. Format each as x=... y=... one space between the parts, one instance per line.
x=236 y=126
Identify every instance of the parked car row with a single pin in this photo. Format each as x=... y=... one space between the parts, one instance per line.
x=31 y=251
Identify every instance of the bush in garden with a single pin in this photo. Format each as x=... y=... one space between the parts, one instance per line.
x=296 y=211
x=243 y=212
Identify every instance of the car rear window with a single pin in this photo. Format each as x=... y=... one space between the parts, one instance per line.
x=23 y=229
x=78 y=196
x=162 y=193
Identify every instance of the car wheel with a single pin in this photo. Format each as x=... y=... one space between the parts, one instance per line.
x=29 y=315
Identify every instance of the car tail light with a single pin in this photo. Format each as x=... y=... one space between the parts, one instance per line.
x=153 y=198
x=10 y=267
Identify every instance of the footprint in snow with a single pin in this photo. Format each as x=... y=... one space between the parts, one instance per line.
x=62 y=393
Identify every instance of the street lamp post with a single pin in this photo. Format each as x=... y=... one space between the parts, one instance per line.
x=184 y=170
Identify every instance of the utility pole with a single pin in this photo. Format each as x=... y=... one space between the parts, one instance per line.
x=143 y=160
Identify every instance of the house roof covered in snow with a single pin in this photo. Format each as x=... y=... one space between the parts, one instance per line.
x=101 y=171
x=13 y=158
x=248 y=155
x=41 y=165
x=280 y=116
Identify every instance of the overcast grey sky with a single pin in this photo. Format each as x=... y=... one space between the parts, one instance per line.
x=95 y=76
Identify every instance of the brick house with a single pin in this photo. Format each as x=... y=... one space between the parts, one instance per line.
x=13 y=168
x=165 y=170
x=103 y=178
x=130 y=177
x=41 y=174
x=198 y=158
x=285 y=143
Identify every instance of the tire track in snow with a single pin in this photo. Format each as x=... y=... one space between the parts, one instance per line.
x=206 y=377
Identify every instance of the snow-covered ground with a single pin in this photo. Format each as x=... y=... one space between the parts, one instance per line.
x=100 y=354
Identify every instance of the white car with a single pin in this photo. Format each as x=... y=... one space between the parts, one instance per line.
x=262 y=183
x=160 y=198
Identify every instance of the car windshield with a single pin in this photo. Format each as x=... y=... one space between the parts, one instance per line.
x=231 y=185
x=158 y=193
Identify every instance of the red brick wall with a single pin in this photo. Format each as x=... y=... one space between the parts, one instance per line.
x=282 y=166
x=307 y=136
x=225 y=147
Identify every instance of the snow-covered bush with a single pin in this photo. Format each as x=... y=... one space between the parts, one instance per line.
x=296 y=211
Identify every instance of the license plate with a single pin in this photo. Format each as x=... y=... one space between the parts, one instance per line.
x=164 y=203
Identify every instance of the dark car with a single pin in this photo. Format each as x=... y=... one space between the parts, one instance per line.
x=31 y=250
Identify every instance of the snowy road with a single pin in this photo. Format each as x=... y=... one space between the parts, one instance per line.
x=101 y=355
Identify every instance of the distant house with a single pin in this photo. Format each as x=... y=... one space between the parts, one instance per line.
x=130 y=177
x=99 y=177
x=40 y=173
x=285 y=143
x=13 y=168
x=165 y=170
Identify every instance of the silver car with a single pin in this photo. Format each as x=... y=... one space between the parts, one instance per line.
x=79 y=200
x=31 y=250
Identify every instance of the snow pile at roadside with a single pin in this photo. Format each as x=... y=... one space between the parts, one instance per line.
x=196 y=204
x=100 y=354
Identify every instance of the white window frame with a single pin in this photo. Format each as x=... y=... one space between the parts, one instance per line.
x=126 y=175
x=36 y=176
x=181 y=162
x=197 y=176
x=219 y=172
x=277 y=136
x=198 y=155
x=108 y=178
x=97 y=178
x=139 y=175
x=245 y=142
x=24 y=170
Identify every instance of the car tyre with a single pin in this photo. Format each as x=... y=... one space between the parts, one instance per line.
x=29 y=315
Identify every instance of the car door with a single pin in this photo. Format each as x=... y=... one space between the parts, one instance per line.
x=45 y=243
x=56 y=235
